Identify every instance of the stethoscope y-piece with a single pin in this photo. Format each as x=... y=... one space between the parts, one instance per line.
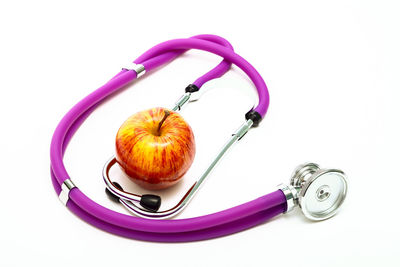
x=318 y=192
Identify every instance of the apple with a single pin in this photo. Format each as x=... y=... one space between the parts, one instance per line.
x=155 y=148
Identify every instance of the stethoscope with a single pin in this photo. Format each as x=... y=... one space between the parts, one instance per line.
x=318 y=192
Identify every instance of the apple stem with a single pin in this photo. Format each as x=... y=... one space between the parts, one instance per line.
x=166 y=114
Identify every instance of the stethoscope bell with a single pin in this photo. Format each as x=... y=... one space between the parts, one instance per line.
x=319 y=192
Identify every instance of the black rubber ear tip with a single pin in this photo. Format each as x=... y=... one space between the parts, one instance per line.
x=111 y=195
x=150 y=202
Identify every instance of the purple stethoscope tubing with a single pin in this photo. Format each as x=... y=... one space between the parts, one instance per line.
x=204 y=227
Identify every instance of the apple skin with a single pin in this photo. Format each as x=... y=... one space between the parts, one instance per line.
x=153 y=156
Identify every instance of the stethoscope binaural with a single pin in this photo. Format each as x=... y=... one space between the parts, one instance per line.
x=319 y=192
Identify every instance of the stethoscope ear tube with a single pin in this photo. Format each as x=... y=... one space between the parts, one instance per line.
x=148 y=201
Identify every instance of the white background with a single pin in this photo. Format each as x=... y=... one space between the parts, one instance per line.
x=333 y=73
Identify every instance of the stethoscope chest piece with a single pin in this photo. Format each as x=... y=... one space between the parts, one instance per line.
x=321 y=192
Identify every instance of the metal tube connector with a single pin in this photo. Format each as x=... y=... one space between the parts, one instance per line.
x=138 y=68
x=182 y=101
x=66 y=187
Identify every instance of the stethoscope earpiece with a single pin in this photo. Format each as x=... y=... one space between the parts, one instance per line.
x=112 y=196
x=149 y=202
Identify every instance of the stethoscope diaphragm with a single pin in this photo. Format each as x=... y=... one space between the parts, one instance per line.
x=321 y=192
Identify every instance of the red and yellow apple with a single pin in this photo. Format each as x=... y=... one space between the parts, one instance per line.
x=155 y=148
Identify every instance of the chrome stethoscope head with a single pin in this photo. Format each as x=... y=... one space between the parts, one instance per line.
x=318 y=192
